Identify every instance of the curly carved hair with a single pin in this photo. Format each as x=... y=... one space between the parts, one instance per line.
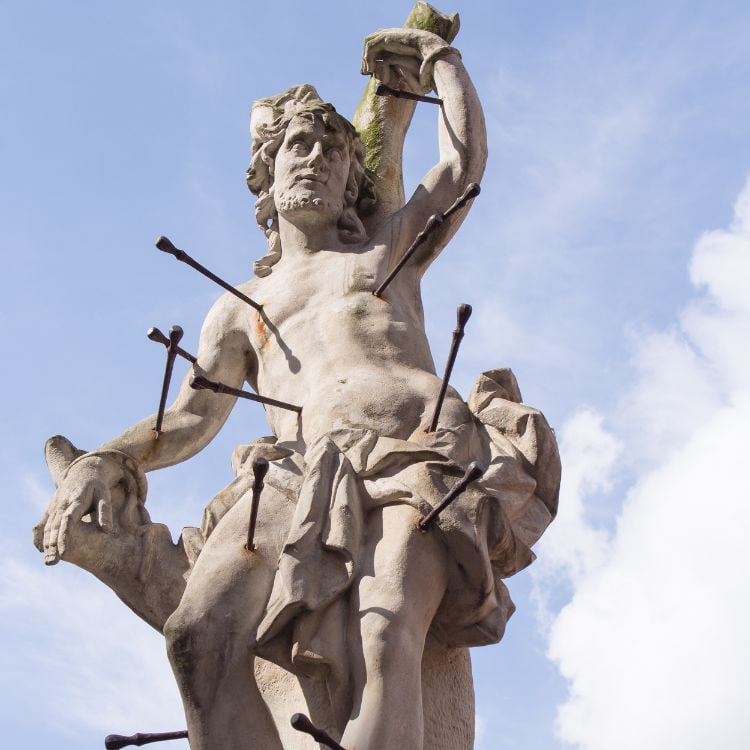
x=269 y=122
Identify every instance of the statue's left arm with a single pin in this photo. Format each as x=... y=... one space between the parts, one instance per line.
x=425 y=61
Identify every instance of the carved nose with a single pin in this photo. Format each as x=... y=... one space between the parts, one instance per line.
x=315 y=157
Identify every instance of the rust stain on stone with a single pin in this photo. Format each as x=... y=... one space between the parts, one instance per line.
x=260 y=329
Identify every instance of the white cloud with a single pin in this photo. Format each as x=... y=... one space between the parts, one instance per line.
x=718 y=323
x=91 y=666
x=653 y=641
x=573 y=547
x=676 y=390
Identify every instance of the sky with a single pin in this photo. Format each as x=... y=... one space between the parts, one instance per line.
x=607 y=260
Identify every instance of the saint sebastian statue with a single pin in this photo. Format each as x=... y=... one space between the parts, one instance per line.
x=335 y=610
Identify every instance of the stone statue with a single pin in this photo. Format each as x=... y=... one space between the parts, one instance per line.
x=345 y=610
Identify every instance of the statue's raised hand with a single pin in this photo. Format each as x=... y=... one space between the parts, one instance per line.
x=108 y=486
x=404 y=55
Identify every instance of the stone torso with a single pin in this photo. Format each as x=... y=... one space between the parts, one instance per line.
x=350 y=359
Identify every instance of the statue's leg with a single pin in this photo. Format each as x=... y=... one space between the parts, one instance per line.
x=210 y=635
x=394 y=599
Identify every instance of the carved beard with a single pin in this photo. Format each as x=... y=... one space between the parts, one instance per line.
x=288 y=203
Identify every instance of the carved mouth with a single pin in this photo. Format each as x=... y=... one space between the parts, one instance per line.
x=309 y=177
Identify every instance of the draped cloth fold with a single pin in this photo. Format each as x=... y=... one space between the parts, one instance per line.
x=488 y=532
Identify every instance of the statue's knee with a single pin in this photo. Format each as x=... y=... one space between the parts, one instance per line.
x=185 y=631
x=390 y=634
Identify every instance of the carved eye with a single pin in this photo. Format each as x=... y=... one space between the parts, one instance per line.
x=334 y=154
x=298 y=146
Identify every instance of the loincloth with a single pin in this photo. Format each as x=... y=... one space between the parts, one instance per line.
x=488 y=532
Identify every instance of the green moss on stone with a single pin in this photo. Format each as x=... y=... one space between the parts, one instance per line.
x=369 y=124
x=368 y=119
x=427 y=18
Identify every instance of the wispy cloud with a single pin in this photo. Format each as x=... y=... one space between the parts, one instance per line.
x=91 y=666
x=574 y=546
x=653 y=641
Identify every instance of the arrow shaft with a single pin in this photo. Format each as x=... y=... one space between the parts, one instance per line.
x=171 y=355
x=185 y=258
x=472 y=473
x=436 y=220
x=455 y=343
x=383 y=90
x=167 y=246
x=117 y=741
x=201 y=382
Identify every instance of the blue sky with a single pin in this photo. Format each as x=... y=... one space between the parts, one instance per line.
x=607 y=260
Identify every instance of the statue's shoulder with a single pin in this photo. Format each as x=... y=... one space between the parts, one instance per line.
x=229 y=312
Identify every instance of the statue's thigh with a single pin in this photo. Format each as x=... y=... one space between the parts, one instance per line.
x=230 y=579
x=403 y=574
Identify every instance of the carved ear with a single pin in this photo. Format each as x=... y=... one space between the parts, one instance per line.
x=59 y=453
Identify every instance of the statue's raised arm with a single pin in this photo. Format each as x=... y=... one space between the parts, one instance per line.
x=420 y=61
x=382 y=121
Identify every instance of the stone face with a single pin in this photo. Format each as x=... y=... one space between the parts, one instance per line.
x=345 y=610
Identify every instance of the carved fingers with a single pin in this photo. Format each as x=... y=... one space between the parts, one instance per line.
x=399 y=72
x=108 y=484
x=408 y=55
x=99 y=485
x=38 y=532
x=70 y=504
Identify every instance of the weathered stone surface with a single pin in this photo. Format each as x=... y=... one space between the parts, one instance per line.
x=346 y=610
